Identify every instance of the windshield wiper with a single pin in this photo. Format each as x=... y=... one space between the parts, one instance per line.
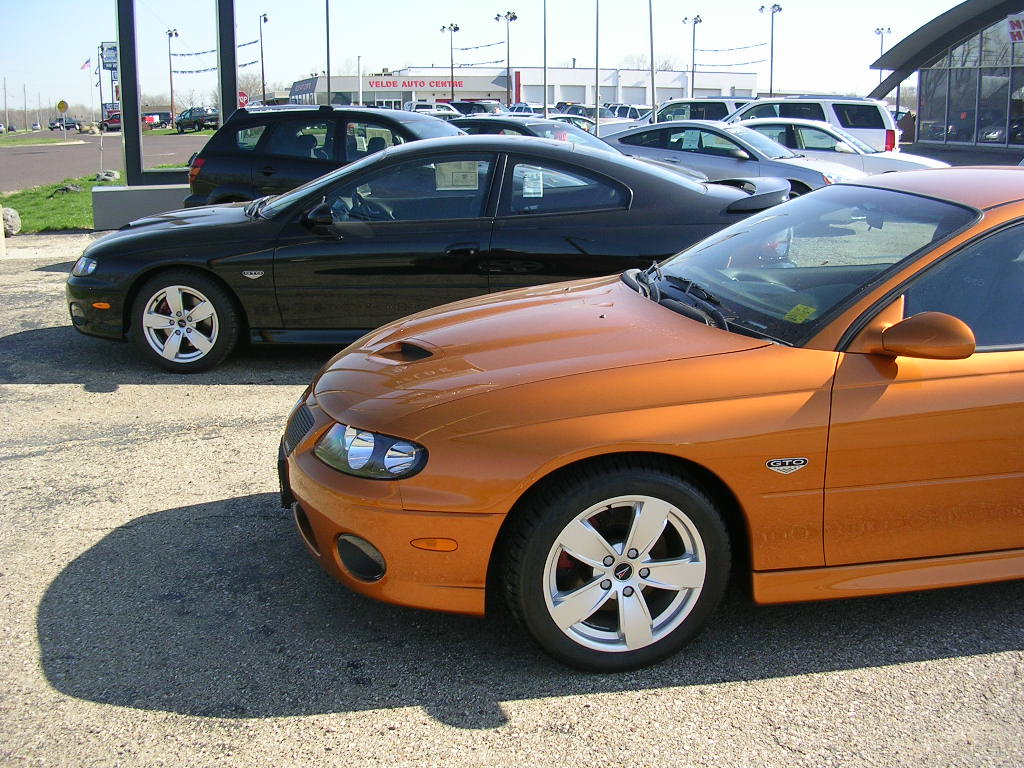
x=700 y=297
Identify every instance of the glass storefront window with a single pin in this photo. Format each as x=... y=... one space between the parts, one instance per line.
x=1015 y=131
x=931 y=117
x=992 y=95
x=995 y=46
x=967 y=54
x=963 y=96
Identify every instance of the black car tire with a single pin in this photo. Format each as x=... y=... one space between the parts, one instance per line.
x=181 y=128
x=596 y=510
x=197 y=343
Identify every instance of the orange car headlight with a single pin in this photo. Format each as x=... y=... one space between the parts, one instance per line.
x=368 y=454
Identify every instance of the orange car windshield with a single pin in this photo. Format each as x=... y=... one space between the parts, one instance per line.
x=783 y=272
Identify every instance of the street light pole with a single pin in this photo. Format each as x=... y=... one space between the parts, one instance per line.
x=451 y=29
x=881 y=32
x=509 y=17
x=327 y=14
x=544 y=101
x=597 y=66
x=170 y=75
x=654 y=90
x=263 y=74
x=693 y=50
x=773 y=9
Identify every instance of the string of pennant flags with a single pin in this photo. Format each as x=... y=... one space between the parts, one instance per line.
x=213 y=50
x=210 y=69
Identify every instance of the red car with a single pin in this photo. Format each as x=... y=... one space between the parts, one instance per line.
x=111 y=123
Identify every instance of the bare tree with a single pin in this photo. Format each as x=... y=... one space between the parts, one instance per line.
x=641 y=61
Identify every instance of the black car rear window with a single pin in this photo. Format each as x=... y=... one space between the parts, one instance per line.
x=859 y=116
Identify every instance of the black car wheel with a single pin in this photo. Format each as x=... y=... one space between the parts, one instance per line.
x=181 y=128
x=184 y=321
x=616 y=568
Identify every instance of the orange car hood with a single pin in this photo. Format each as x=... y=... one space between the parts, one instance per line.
x=503 y=340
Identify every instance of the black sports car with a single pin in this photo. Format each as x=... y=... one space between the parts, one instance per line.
x=397 y=232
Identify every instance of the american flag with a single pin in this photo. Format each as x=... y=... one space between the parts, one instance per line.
x=86 y=64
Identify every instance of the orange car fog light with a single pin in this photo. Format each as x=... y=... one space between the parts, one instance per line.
x=436 y=545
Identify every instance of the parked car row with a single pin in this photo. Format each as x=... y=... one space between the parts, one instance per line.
x=616 y=446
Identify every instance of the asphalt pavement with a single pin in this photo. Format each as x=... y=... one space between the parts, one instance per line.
x=32 y=165
x=158 y=609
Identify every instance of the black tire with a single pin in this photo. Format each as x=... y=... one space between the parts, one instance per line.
x=197 y=343
x=181 y=129
x=612 y=496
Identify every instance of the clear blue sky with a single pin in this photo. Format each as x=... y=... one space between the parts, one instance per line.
x=820 y=45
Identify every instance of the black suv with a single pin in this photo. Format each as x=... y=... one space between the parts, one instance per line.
x=197 y=118
x=269 y=150
x=67 y=123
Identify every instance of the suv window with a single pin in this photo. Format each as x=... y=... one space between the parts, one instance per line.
x=548 y=189
x=365 y=138
x=802 y=110
x=859 y=115
x=247 y=138
x=302 y=137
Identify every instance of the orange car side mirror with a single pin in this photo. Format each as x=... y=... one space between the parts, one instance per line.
x=930 y=335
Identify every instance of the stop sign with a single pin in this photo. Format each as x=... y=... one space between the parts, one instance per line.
x=243 y=98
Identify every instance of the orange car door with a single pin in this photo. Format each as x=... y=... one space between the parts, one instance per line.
x=926 y=457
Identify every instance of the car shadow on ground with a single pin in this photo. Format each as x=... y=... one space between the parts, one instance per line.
x=61 y=355
x=217 y=610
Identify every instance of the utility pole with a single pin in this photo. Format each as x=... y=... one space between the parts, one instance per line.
x=509 y=17
x=327 y=12
x=451 y=29
x=170 y=73
x=263 y=74
x=99 y=77
x=775 y=8
x=693 y=51
x=654 y=90
x=597 y=65
x=545 y=99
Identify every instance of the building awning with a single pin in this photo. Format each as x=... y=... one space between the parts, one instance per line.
x=944 y=31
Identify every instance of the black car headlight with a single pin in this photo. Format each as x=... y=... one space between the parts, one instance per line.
x=363 y=453
x=83 y=267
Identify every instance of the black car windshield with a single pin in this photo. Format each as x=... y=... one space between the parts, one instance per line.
x=280 y=203
x=783 y=273
x=563 y=131
x=760 y=142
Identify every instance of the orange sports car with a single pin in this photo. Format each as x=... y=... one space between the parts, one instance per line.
x=826 y=396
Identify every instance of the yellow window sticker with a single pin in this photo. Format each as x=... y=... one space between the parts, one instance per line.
x=457 y=175
x=799 y=313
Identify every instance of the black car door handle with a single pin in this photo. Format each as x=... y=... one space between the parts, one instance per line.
x=462 y=249
x=267 y=170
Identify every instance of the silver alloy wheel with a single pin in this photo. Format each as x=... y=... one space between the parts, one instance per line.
x=624 y=573
x=180 y=324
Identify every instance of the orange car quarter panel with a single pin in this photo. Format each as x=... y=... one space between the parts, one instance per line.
x=926 y=457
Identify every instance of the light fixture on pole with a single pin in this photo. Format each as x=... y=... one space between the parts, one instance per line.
x=771 y=9
x=263 y=74
x=451 y=29
x=170 y=74
x=693 y=50
x=882 y=32
x=509 y=17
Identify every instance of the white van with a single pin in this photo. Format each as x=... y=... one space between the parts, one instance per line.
x=867 y=119
x=435 y=108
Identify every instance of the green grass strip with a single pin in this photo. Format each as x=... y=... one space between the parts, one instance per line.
x=44 y=209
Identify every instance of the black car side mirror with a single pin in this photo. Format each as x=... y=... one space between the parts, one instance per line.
x=320 y=216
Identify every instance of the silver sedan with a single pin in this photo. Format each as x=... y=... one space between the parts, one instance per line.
x=724 y=151
x=824 y=141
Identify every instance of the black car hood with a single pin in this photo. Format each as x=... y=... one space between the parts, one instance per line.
x=223 y=223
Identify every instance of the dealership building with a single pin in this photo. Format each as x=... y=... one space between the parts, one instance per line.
x=618 y=86
x=970 y=67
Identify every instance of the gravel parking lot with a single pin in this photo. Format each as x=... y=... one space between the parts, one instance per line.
x=159 y=610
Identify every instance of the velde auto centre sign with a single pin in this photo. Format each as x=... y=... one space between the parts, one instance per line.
x=411 y=85
x=1015 y=27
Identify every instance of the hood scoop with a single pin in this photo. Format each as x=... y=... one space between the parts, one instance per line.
x=400 y=352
